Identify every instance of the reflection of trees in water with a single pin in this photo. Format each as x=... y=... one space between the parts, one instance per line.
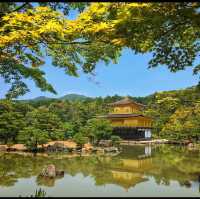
x=46 y=181
x=7 y=181
x=20 y=166
x=7 y=172
x=166 y=164
x=175 y=163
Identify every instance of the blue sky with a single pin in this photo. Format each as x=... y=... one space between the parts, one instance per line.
x=129 y=77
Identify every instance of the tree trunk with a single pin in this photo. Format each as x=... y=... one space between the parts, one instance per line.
x=35 y=147
x=5 y=140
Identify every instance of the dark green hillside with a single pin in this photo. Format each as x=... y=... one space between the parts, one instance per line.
x=176 y=115
x=73 y=97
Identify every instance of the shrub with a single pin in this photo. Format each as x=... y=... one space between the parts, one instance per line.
x=80 y=139
x=115 y=140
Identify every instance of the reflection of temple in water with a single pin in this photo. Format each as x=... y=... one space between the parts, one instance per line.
x=127 y=179
x=137 y=164
x=131 y=171
x=147 y=150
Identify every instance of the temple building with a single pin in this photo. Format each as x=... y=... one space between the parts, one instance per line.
x=128 y=121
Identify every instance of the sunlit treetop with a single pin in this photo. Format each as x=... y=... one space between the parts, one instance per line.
x=99 y=33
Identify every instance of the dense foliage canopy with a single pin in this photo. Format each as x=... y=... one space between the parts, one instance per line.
x=30 y=32
x=175 y=116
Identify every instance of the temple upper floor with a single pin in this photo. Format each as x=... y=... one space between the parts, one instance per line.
x=126 y=106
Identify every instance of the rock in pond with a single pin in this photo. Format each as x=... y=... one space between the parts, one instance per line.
x=105 y=150
x=56 y=147
x=98 y=150
x=3 y=148
x=111 y=150
x=59 y=173
x=11 y=173
x=88 y=147
x=187 y=183
x=190 y=145
x=105 y=143
x=51 y=171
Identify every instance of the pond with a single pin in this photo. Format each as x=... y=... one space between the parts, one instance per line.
x=138 y=171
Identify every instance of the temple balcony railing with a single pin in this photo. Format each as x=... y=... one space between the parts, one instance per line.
x=132 y=125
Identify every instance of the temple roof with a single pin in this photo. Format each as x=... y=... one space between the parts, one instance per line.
x=126 y=100
x=122 y=115
x=127 y=179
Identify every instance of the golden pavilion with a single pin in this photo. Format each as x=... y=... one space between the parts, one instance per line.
x=128 y=121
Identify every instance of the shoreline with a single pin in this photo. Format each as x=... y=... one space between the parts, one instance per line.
x=70 y=147
x=143 y=142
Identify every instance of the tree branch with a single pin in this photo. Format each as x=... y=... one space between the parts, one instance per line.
x=19 y=8
x=71 y=43
x=175 y=26
x=62 y=41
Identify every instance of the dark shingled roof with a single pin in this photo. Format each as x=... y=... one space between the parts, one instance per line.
x=121 y=115
x=126 y=100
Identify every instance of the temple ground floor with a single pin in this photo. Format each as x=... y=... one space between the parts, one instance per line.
x=132 y=133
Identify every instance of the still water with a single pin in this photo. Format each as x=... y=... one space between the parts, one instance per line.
x=137 y=171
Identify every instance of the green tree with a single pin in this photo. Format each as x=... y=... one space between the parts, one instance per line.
x=61 y=109
x=69 y=130
x=80 y=139
x=160 y=109
x=6 y=106
x=10 y=125
x=184 y=124
x=46 y=121
x=32 y=137
x=175 y=113
x=115 y=140
x=11 y=121
x=22 y=108
x=97 y=129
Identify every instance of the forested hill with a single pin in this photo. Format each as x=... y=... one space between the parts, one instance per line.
x=65 y=97
x=42 y=100
x=176 y=114
x=186 y=96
